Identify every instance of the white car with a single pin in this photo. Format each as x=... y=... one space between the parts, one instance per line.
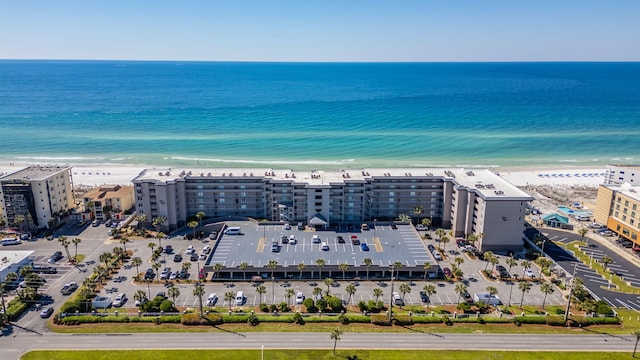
x=292 y=241
x=212 y=299
x=421 y=227
x=299 y=298
x=190 y=250
x=119 y=300
x=206 y=250
x=315 y=239
x=173 y=275
x=528 y=273
x=202 y=257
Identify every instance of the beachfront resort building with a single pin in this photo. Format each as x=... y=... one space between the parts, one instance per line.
x=618 y=207
x=467 y=202
x=109 y=201
x=620 y=174
x=36 y=197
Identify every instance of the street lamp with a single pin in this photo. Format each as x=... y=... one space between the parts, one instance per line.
x=391 y=267
x=273 y=287
x=375 y=227
x=573 y=280
x=262 y=352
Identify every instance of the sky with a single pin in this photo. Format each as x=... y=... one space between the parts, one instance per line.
x=321 y=30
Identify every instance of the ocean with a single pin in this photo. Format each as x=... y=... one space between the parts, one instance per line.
x=319 y=115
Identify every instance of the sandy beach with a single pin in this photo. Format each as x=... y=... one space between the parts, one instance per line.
x=96 y=175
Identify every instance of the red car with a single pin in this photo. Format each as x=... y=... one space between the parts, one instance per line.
x=447 y=272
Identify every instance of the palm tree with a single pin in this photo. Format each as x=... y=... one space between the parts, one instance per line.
x=350 y=289
x=426 y=222
x=193 y=225
x=441 y=232
x=492 y=291
x=458 y=260
x=173 y=293
x=460 y=290
x=151 y=246
x=105 y=257
x=494 y=261
x=637 y=335
x=429 y=289
x=343 y=267
x=124 y=241
x=444 y=241
x=158 y=222
x=487 y=256
x=404 y=218
x=511 y=262
x=367 y=263
x=457 y=273
x=288 y=294
x=142 y=218
x=160 y=235
x=606 y=261
x=137 y=261
x=301 y=267
x=272 y=265
x=320 y=263
x=404 y=289
x=18 y=220
x=329 y=282
x=141 y=296
x=65 y=244
x=75 y=243
x=217 y=268
x=335 y=336
x=261 y=289
x=524 y=287
x=34 y=280
x=199 y=216
x=228 y=297
x=118 y=253
x=546 y=289
x=156 y=266
x=417 y=211
x=316 y=291
x=243 y=266
x=583 y=232
x=11 y=278
x=25 y=270
x=377 y=293
x=426 y=266
x=198 y=291
x=186 y=266
x=525 y=265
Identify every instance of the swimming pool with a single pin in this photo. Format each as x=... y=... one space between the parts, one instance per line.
x=569 y=211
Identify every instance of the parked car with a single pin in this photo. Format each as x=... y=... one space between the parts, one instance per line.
x=168 y=249
x=424 y=297
x=202 y=257
x=284 y=239
x=190 y=250
x=206 y=250
x=173 y=275
x=528 y=273
x=69 y=288
x=340 y=239
x=275 y=247
x=355 y=240
x=161 y=294
x=120 y=300
x=299 y=298
x=212 y=299
x=183 y=274
x=46 y=313
x=364 y=247
x=55 y=257
x=164 y=275
x=177 y=258
x=431 y=247
x=315 y=239
x=287 y=226
x=149 y=274
x=447 y=272
x=213 y=235
x=95 y=223
x=421 y=227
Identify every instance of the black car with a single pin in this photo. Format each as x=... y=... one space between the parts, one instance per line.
x=194 y=257
x=183 y=274
x=424 y=297
x=340 y=239
x=467 y=297
x=431 y=247
x=177 y=258
x=55 y=257
x=149 y=274
x=168 y=249
x=284 y=239
x=394 y=227
x=161 y=294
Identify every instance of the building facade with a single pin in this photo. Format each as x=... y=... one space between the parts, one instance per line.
x=620 y=174
x=36 y=197
x=618 y=206
x=109 y=201
x=468 y=202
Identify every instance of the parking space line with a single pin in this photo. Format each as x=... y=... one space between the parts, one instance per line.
x=377 y=244
x=261 y=243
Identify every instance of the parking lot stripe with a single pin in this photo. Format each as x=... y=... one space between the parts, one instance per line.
x=377 y=244
x=261 y=243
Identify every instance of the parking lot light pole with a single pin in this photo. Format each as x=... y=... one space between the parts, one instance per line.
x=573 y=280
x=375 y=226
x=391 y=295
x=273 y=289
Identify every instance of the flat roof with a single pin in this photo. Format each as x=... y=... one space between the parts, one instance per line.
x=35 y=172
x=8 y=257
x=108 y=192
x=488 y=183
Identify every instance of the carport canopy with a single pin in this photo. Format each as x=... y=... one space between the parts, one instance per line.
x=318 y=220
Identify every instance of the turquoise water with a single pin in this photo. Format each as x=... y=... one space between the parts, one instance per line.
x=309 y=115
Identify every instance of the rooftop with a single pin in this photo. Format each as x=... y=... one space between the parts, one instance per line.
x=8 y=257
x=108 y=192
x=487 y=183
x=36 y=172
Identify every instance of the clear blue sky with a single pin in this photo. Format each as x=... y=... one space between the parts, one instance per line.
x=322 y=30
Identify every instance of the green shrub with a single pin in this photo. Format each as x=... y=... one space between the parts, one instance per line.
x=602 y=320
x=603 y=308
x=308 y=303
x=343 y=319
x=190 y=319
x=273 y=307
x=554 y=320
x=284 y=307
x=532 y=319
x=402 y=320
x=335 y=304
x=264 y=307
x=380 y=319
x=321 y=319
x=427 y=319
x=69 y=307
x=253 y=320
x=298 y=319
x=358 y=319
x=15 y=308
x=229 y=319
x=464 y=306
x=167 y=306
x=276 y=319
x=362 y=306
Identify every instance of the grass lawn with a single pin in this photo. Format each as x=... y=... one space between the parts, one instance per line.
x=317 y=354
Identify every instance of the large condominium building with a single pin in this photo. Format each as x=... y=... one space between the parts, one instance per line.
x=36 y=196
x=620 y=174
x=109 y=201
x=618 y=206
x=468 y=202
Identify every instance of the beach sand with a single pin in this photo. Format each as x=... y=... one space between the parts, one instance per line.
x=96 y=175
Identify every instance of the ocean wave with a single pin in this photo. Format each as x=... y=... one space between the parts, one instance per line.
x=52 y=158
x=265 y=162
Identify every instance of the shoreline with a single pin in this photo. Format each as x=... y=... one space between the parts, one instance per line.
x=101 y=174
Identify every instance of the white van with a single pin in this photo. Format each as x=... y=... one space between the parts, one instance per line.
x=324 y=246
x=234 y=230
x=239 y=298
x=397 y=300
x=120 y=300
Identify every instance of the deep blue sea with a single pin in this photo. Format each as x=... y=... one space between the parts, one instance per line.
x=320 y=115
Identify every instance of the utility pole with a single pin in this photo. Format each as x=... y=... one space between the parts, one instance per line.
x=391 y=295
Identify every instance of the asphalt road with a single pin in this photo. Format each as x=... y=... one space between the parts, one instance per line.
x=11 y=347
